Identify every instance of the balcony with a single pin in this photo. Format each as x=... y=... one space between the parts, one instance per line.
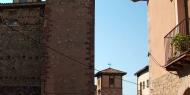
x=177 y=46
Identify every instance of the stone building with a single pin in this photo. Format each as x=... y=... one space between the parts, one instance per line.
x=109 y=82
x=21 y=58
x=47 y=48
x=169 y=55
x=143 y=82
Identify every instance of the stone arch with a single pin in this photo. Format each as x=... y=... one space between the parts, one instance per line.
x=185 y=88
x=187 y=92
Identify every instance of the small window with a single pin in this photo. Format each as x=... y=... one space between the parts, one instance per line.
x=99 y=82
x=111 y=81
x=1 y=20
x=143 y=84
x=99 y=92
x=148 y=83
x=12 y=22
x=140 y=88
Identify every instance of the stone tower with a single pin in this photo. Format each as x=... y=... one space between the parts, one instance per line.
x=47 y=52
x=69 y=31
x=21 y=51
x=109 y=82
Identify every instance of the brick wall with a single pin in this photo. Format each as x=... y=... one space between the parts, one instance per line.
x=69 y=29
x=63 y=62
x=106 y=89
x=21 y=58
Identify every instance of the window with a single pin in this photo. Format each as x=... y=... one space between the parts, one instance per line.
x=143 y=84
x=147 y=83
x=98 y=82
x=99 y=92
x=111 y=81
x=12 y=22
x=140 y=88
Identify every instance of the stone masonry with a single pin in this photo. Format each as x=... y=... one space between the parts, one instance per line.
x=166 y=85
x=69 y=28
x=171 y=84
x=21 y=58
x=47 y=53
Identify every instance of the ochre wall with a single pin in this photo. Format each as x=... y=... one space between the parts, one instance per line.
x=162 y=18
x=164 y=15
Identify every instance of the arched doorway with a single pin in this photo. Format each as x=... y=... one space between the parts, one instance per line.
x=187 y=92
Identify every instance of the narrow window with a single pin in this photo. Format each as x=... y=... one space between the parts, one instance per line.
x=111 y=81
x=148 y=83
x=98 y=82
x=140 y=88
x=143 y=84
x=12 y=22
x=99 y=92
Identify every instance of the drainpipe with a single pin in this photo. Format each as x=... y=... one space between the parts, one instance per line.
x=186 y=16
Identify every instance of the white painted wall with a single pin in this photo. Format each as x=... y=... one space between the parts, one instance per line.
x=143 y=78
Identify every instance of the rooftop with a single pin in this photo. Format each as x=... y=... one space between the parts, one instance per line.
x=21 y=5
x=138 y=0
x=110 y=71
x=142 y=71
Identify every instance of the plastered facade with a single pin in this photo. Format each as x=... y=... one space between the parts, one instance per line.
x=140 y=79
x=163 y=16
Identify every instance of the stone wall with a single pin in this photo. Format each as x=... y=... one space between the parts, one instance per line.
x=171 y=84
x=165 y=85
x=69 y=29
x=21 y=56
x=54 y=56
x=106 y=89
x=111 y=91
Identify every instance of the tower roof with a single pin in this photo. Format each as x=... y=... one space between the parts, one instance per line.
x=110 y=71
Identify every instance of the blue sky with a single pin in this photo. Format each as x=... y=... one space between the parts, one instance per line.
x=5 y=1
x=121 y=37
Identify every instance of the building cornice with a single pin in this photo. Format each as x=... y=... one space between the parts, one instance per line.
x=21 y=5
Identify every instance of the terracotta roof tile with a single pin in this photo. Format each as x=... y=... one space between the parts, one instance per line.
x=110 y=71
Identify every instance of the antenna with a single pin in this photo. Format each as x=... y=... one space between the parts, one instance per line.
x=109 y=64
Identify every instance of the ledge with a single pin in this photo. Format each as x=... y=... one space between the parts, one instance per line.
x=21 y=5
x=179 y=62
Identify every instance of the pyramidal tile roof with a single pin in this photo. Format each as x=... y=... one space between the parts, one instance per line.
x=110 y=71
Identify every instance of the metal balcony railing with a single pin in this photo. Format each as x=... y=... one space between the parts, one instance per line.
x=177 y=41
